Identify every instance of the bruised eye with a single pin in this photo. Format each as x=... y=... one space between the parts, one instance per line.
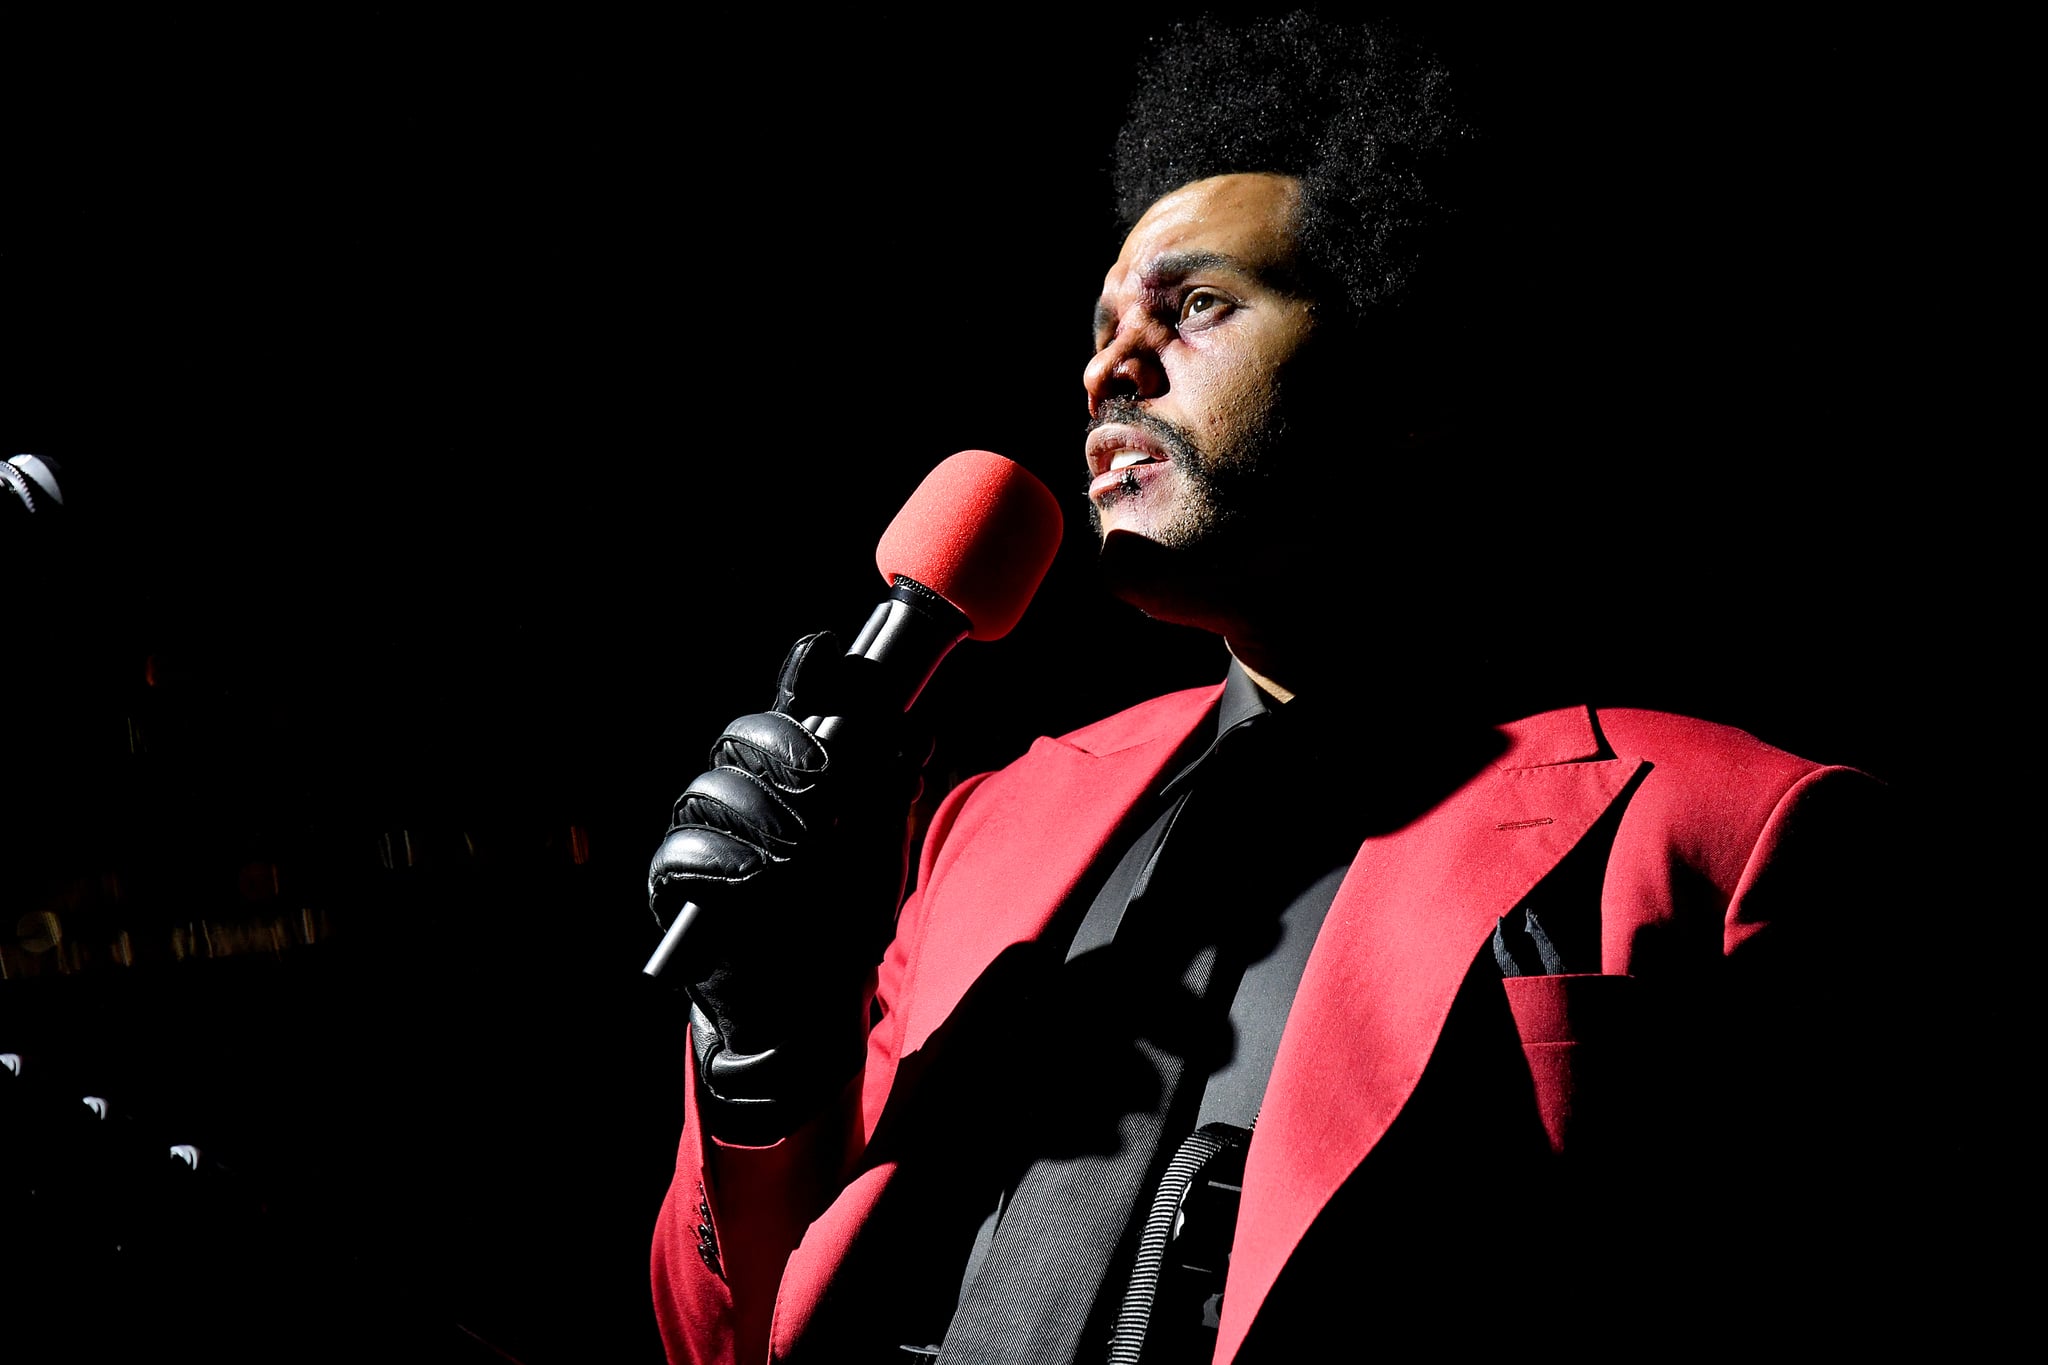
x=1203 y=306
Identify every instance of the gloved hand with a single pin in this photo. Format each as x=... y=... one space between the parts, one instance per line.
x=795 y=848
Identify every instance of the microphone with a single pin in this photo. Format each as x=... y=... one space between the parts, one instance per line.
x=962 y=560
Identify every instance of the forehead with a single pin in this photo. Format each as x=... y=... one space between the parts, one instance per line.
x=1247 y=219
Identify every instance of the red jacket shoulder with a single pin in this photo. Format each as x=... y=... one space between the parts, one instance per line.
x=1708 y=748
x=1718 y=800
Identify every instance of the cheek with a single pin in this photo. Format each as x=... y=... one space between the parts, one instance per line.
x=1239 y=398
x=1227 y=385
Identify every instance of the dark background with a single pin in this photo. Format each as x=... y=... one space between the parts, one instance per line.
x=460 y=415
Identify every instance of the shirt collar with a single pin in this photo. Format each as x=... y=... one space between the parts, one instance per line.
x=1243 y=702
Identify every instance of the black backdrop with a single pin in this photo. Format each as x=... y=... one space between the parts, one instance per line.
x=460 y=415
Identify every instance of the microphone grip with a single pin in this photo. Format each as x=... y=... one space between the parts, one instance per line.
x=678 y=930
x=910 y=632
x=686 y=914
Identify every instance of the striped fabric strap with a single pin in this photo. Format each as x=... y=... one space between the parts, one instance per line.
x=1134 y=1317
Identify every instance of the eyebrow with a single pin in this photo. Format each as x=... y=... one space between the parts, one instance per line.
x=1172 y=266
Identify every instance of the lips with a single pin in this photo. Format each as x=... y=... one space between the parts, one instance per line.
x=1114 y=449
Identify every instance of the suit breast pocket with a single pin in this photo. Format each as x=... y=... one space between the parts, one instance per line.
x=1581 y=1037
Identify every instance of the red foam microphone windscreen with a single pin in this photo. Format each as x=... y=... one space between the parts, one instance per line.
x=980 y=531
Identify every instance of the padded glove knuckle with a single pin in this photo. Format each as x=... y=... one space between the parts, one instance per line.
x=742 y=803
x=693 y=856
x=775 y=746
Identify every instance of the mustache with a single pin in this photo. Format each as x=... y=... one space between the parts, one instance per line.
x=1123 y=410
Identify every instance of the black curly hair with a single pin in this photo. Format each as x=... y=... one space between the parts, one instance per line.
x=1360 y=114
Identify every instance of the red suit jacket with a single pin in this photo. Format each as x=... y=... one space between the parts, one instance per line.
x=1404 y=1162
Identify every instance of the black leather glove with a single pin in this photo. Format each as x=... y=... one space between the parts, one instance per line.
x=794 y=846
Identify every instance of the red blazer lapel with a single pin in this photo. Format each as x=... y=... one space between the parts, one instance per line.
x=1415 y=910
x=1005 y=864
x=1030 y=836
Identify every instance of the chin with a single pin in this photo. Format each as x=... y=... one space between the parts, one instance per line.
x=1178 y=583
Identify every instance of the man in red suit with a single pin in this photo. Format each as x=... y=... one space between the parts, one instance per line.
x=1268 y=1018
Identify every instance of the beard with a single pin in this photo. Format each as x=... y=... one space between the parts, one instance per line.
x=1220 y=488
x=1228 y=530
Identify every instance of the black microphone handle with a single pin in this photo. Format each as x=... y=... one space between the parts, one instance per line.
x=908 y=635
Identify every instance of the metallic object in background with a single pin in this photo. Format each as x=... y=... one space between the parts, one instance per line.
x=31 y=481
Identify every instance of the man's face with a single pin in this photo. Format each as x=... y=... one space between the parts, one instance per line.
x=1199 y=322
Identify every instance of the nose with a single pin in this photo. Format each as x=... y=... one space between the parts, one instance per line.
x=1128 y=367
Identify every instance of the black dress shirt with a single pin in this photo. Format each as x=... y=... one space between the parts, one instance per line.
x=1178 y=981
